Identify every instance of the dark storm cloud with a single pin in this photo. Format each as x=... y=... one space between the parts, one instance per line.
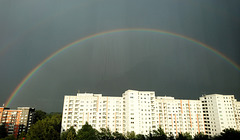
x=114 y=63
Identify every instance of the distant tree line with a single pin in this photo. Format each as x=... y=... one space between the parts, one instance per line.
x=89 y=133
x=48 y=127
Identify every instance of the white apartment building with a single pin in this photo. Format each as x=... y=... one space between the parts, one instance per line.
x=179 y=116
x=143 y=112
x=139 y=111
x=98 y=111
x=220 y=112
x=237 y=115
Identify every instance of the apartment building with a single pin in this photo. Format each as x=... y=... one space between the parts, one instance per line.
x=143 y=112
x=98 y=111
x=220 y=112
x=16 y=120
x=237 y=114
x=26 y=119
x=179 y=116
x=139 y=111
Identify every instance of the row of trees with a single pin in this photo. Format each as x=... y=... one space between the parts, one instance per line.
x=89 y=133
x=48 y=127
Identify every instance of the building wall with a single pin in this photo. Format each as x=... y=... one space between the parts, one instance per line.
x=15 y=121
x=11 y=120
x=139 y=111
x=219 y=113
x=237 y=114
x=26 y=119
x=143 y=112
x=179 y=116
x=98 y=111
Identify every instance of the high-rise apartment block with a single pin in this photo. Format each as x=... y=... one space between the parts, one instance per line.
x=99 y=111
x=180 y=116
x=17 y=120
x=220 y=112
x=143 y=112
x=237 y=115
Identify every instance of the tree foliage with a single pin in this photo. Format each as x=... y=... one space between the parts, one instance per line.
x=201 y=136
x=70 y=134
x=10 y=137
x=87 y=133
x=228 y=134
x=3 y=131
x=118 y=136
x=22 y=135
x=184 y=136
x=140 y=137
x=159 y=134
x=105 y=134
x=131 y=135
x=39 y=115
x=46 y=129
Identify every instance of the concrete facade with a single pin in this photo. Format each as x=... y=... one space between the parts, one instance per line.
x=220 y=112
x=16 y=120
x=143 y=112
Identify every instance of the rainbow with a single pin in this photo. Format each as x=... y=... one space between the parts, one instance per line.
x=49 y=58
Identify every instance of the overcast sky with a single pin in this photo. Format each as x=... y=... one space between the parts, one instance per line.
x=110 y=64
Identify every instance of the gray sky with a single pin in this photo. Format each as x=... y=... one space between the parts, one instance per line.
x=32 y=30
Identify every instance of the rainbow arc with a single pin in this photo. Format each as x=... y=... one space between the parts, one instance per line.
x=81 y=40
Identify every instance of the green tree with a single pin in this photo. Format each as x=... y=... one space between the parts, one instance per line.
x=131 y=135
x=118 y=136
x=63 y=135
x=184 y=136
x=217 y=137
x=159 y=134
x=230 y=134
x=46 y=129
x=150 y=136
x=201 y=136
x=87 y=133
x=140 y=137
x=10 y=137
x=22 y=135
x=39 y=115
x=3 y=131
x=70 y=134
x=171 y=137
x=105 y=134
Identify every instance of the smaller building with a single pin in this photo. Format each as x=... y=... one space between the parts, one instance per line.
x=220 y=112
x=17 y=120
x=237 y=114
